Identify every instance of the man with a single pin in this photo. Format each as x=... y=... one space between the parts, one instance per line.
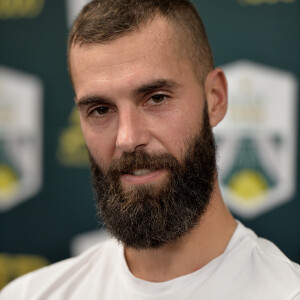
x=148 y=96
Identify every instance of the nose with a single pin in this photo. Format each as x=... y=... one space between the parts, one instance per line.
x=132 y=130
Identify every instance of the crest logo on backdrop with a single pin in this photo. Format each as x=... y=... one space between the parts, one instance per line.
x=20 y=137
x=257 y=138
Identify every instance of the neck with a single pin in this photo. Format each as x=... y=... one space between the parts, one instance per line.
x=202 y=244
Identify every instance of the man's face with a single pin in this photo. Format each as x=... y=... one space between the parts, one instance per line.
x=150 y=216
x=138 y=94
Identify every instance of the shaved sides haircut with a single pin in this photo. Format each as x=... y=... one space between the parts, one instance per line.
x=102 y=21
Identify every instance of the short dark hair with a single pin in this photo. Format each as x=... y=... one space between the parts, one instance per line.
x=105 y=20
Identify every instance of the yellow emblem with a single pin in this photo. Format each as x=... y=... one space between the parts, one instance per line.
x=72 y=149
x=9 y=182
x=20 y=9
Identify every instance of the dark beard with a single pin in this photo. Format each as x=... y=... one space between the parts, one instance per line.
x=152 y=215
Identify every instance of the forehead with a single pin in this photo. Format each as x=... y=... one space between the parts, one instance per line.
x=153 y=49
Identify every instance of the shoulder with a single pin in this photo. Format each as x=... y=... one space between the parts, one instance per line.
x=66 y=272
x=264 y=266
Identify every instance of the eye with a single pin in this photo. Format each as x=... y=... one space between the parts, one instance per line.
x=100 y=111
x=158 y=98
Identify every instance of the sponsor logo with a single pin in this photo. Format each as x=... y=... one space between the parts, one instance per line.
x=73 y=9
x=257 y=139
x=20 y=137
x=72 y=150
x=20 y=9
x=260 y=2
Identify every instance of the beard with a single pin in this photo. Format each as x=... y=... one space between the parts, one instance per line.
x=152 y=215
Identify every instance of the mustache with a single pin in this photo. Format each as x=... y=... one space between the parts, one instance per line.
x=129 y=161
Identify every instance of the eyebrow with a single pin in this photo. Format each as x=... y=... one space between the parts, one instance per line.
x=155 y=85
x=92 y=100
x=143 y=89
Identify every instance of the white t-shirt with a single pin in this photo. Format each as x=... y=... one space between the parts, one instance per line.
x=250 y=268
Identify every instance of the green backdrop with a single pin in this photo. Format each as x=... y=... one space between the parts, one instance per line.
x=33 y=40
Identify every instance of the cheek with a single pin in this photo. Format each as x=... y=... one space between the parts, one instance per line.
x=100 y=145
x=187 y=129
x=175 y=132
x=192 y=118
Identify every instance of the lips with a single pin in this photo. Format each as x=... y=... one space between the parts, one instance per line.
x=142 y=176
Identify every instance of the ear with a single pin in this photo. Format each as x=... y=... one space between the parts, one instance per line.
x=215 y=87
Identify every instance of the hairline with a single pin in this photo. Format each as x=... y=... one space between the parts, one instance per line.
x=179 y=40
